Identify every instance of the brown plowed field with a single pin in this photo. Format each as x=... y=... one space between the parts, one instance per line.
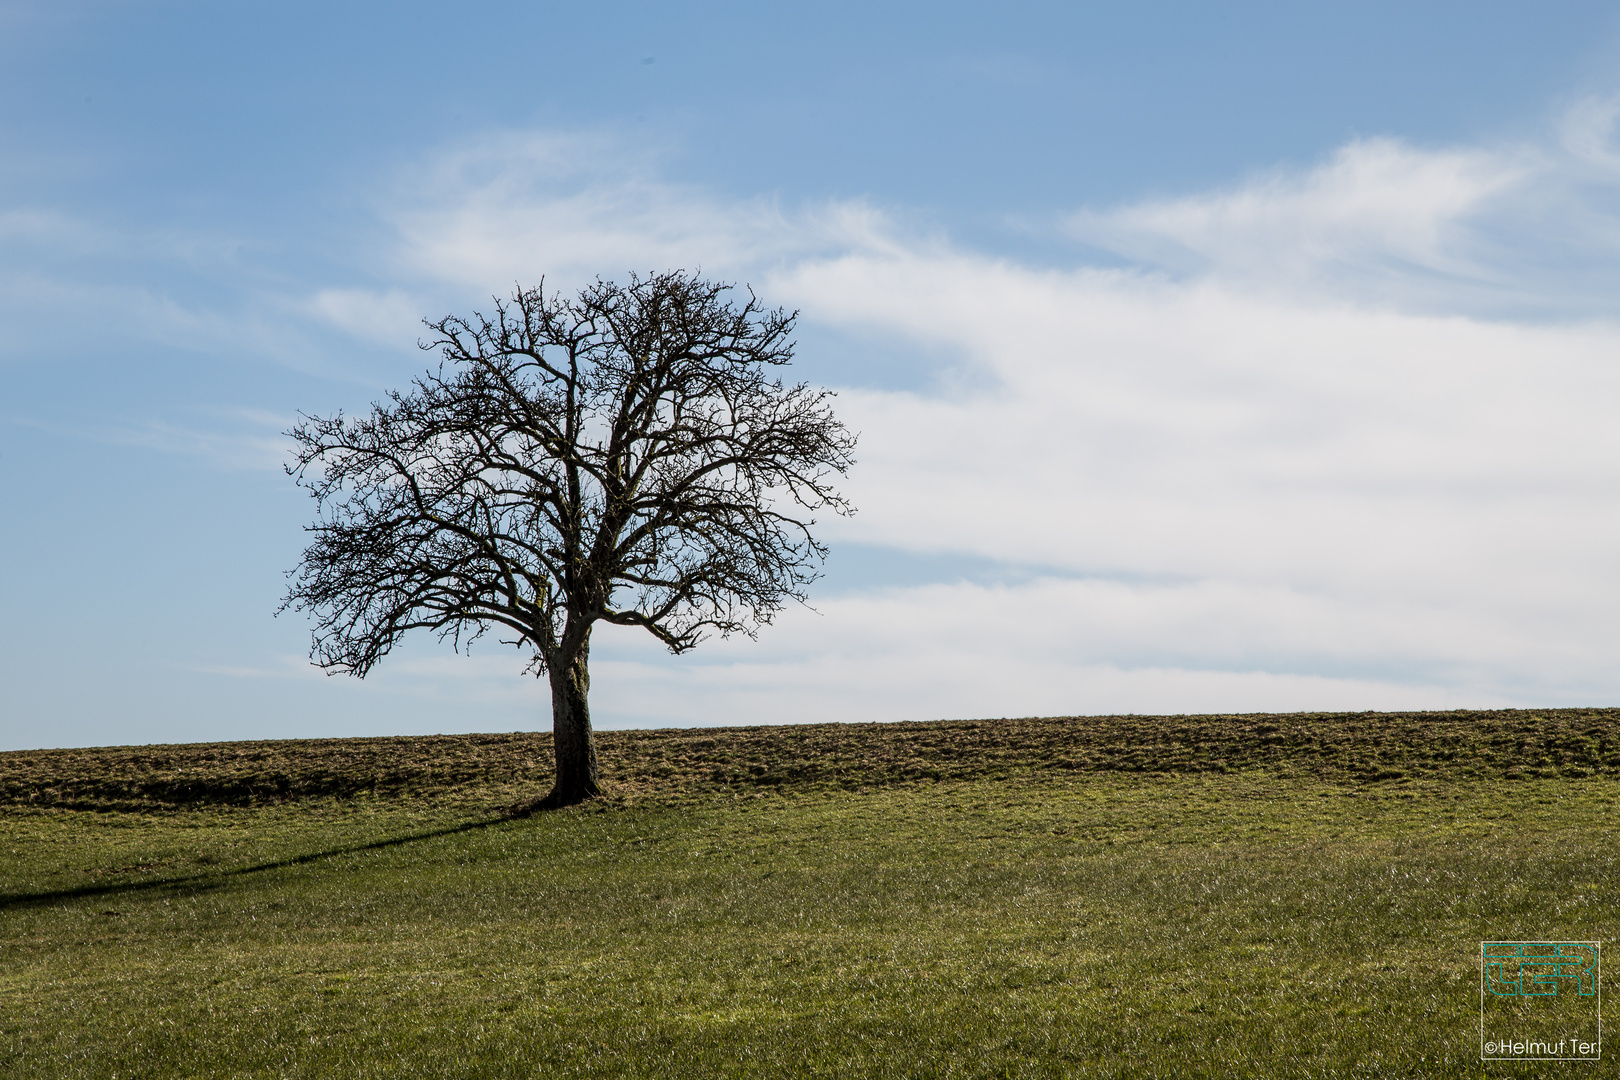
x=1353 y=747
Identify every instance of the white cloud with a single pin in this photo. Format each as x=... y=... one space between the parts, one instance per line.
x=1165 y=409
x=245 y=439
x=388 y=317
x=1329 y=464
x=71 y=287
x=510 y=208
x=1378 y=496
x=1588 y=132
x=47 y=229
x=1527 y=230
x=1052 y=647
x=1376 y=203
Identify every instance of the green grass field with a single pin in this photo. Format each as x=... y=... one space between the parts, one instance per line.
x=1207 y=896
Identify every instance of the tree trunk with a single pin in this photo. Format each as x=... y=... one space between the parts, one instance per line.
x=571 y=732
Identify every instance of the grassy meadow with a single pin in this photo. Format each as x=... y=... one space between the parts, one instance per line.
x=1288 y=896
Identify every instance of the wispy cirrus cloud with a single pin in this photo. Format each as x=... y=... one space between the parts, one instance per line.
x=73 y=288
x=1587 y=132
x=1375 y=206
x=1522 y=230
x=512 y=207
x=228 y=439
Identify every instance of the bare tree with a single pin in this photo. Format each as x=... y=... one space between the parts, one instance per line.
x=627 y=456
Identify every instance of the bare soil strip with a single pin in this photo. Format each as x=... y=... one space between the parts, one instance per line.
x=675 y=763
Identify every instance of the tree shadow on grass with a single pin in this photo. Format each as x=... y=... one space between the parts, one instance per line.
x=213 y=879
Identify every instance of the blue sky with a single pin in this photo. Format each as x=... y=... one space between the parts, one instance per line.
x=1206 y=357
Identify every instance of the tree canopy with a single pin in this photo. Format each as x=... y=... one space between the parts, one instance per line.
x=628 y=455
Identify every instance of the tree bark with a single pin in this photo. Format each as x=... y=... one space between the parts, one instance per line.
x=571 y=732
